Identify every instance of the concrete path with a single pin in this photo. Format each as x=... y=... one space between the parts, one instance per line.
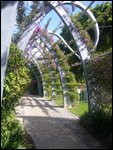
x=53 y=127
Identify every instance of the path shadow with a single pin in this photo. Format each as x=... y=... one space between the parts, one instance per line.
x=58 y=133
x=39 y=103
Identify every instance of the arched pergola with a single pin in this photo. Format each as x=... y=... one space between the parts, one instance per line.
x=25 y=41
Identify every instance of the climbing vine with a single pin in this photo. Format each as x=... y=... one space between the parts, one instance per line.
x=71 y=83
x=100 y=79
x=16 y=82
x=46 y=80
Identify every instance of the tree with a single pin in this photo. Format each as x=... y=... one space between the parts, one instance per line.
x=105 y=24
x=34 y=11
x=21 y=16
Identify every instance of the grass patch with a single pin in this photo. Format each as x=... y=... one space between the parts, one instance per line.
x=80 y=109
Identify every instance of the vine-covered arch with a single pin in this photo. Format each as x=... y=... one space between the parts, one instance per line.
x=83 y=51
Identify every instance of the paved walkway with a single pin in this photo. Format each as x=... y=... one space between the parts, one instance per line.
x=53 y=127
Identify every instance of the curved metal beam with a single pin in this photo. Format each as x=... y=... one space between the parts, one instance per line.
x=82 y=48
x=62 y=39
x=29 y=31
x=61 y=73
x=48 y=65
x=86 y=11
x=31 y=57
x=49 y=68
x=9 y=11
x=40 y=93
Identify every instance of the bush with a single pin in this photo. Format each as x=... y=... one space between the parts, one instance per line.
x=16 y=81
x=98 y=123
x=12 y=132
x=17 y=78
x=100 y=81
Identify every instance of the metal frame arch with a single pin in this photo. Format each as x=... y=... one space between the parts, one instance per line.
x=53 y=93
x=47 y=65
x=52 y=54
x=32 y=59
x=62 y=39
x=61 y=73
x=86 y=11
x=40 y=93
x=82 y=48
x=41 y=47
x=23 y=41
x=51 y=74
x=59 y=70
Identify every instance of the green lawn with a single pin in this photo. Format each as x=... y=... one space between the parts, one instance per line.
x=79 y=110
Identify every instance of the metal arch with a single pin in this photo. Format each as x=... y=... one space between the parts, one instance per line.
x=24 y=39
x=91 y=16
x=39 y=83
x=52 y=82
x=59 y=70
x=6 y=34
x=41 y=75
x=62 y=39
x=49 y=68
x=40 y=93
x=44 y=82
x=31 y=57
x=40 y=72
x=61 y=73
x=82 y=48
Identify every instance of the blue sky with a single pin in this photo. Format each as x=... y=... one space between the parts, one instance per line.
x=55 y=19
